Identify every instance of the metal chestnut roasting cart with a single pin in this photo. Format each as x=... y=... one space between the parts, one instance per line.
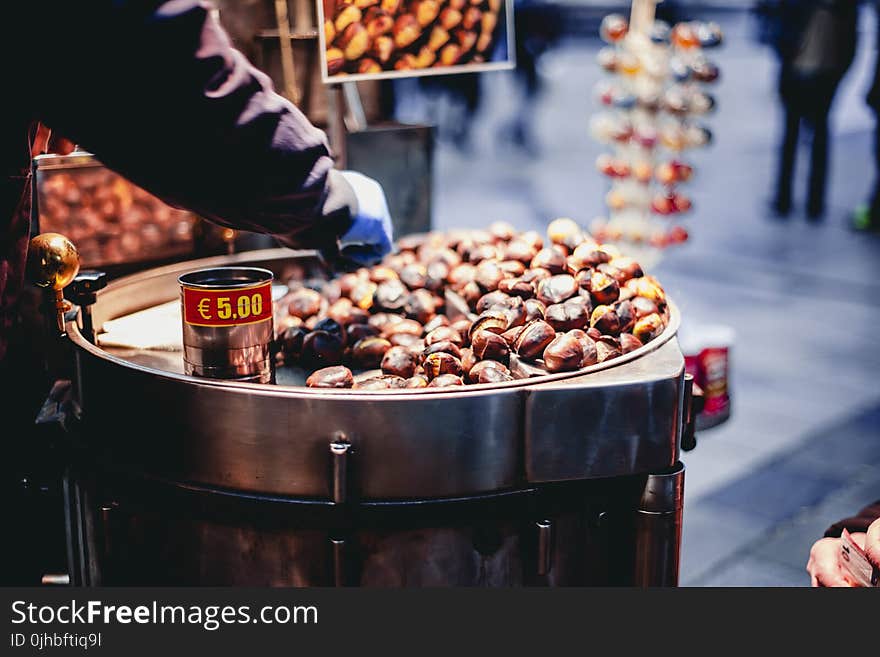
x=562 y=479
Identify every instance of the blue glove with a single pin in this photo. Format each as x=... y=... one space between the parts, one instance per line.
x=370 y=235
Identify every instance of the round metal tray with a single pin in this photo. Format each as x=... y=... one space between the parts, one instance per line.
x=614 y=418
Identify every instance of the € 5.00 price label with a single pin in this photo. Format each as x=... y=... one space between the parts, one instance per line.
x=227 y=307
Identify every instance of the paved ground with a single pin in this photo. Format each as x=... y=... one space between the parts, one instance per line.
x=803 y=446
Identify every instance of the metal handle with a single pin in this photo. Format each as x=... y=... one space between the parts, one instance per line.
x=545 y=550
x=340 y=449
x=53 y=262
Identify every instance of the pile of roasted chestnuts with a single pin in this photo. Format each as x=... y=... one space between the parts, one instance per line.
x=470 y=307
x=371 y=36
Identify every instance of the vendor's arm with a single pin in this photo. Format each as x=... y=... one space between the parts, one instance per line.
x=157 y=92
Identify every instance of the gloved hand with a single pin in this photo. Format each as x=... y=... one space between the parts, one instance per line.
x=370 y=236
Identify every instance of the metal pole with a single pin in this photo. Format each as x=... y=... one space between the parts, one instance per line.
x=658 y=529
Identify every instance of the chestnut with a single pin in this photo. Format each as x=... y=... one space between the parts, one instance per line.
x=417 y=381
x=643 y=307
x=512 y=268
x=444 y=333
x=588 y=254
x=442 y=363
x=450 y=54
x=489 y=371
x=367 y=353
x=489 y=275
x=321 y=349
x=517 y=287
x=571 y=314
x=565 y=353
x=304 y=303
x=557 y=289
x=412 y=342
x=534 y=338
x=536 y=274
x=534 y=309
x=362 y=294
x=355 y=332
x=420 y=306
x=511 y=334
x=648 y=328
x=445 y=380
x=607 y=348
x=489 y=346
x=471 y=18
x=629 y=342
x=648 y=288
x=336 y=376
x=414 y=276
x=437 y=273
x=588 y=345
x=410 y=326
x=445 y=346
x=605 y=320
x=563 y=231
x=291 y=342
x=468 y=360
x=332 y=327
x=399 y=361
x=603 y=289
x=384 y=382
x=626 y=314
x=494 y=320
x=463 y=326
x=521 y=251
x=493 y=299
x=550 y=259
x=390 y=295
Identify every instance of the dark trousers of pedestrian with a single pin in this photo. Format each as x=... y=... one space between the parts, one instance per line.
x=805 y=100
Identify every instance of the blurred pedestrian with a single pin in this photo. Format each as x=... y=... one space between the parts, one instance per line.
x=867 y=217
x=815 y=42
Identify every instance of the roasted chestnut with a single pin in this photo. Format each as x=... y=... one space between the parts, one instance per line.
x=648 y=328
x=336 y=376
x=603 y=288
x=565 y=353
x=399 y=361
x=551 y=259
x=565 y=232
x=489 y=346
x=444 y=333
x=410 y=326
x=605 y=320
x=442 y=363
x=571 y=314
x=445 y=380
x=391 y=295
x=517 y=287
x=489 y=274
x=489 y=371
x=367 y=353
x=557 y=289
x=607 y=348
x=534 y=309
x=321 y=349
x=355 y=332
x=629 y=342
x=534 y=338
x=291 y=342
x=304 y=303
x=384 y=382
x=494 y=320
x=445 y=346
x=421 y=305
x=417 y=381
x=332 y=327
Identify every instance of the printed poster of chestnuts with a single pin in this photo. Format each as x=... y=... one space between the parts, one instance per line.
x=388 y=38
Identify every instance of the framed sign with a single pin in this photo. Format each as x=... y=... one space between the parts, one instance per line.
x=374 y=39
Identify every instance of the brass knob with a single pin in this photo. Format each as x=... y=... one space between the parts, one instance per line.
x=53 y=261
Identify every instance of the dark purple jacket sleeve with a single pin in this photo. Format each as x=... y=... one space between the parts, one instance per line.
x=157 y=92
